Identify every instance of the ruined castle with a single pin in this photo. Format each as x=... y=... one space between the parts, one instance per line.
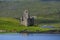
x=26 y=19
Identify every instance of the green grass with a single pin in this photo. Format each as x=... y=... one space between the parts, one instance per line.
x=11 y=25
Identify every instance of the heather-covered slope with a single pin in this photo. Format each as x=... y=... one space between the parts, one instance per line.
x=37 y=8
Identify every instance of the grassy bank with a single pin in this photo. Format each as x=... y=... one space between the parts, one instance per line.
x=13 y=25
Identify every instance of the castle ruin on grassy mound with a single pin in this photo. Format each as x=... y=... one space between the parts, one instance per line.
x=26 y=19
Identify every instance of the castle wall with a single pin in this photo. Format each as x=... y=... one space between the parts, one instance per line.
x=26 y=19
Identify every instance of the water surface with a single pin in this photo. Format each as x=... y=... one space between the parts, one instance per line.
x=18 y=36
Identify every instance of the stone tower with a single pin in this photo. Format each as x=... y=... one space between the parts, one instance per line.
x=26 y=19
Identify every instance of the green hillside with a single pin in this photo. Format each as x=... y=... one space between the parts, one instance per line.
x=13 y=25
x=36 y=8
x=47 y=13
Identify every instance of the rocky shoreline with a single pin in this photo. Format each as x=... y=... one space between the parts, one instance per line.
x=49 y=32
x=25 y=31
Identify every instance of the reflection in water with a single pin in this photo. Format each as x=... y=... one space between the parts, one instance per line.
x=38 y=34
x=25 y=36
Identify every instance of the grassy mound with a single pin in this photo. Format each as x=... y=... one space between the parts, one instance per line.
x=8 y=23
x=13 y=25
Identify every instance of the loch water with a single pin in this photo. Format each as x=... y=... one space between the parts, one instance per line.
x=24 y=36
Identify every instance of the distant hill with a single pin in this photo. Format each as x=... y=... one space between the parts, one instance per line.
x=37 y=8
x=29 y=0
x=50 y=0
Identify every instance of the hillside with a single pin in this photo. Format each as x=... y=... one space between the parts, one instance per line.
x=47 y=13
x=13 y=25
x=37 y=8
